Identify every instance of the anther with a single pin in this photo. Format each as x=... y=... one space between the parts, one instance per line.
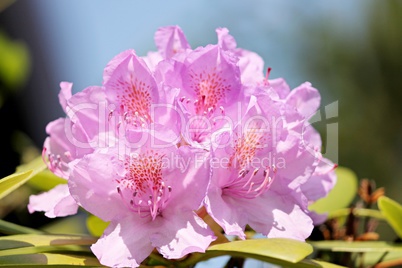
x=255 y=171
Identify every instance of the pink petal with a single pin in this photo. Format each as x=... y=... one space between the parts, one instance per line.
x=213 y=74
x=88 y=109
x=305 y=99
x=250 y=63
x=321 y=182
x=152 y=59
x=124 y=244
x=251 y=67
x=132 y=88
x=114 y=63
x=55 y=203
x=65 y=94
x=298 y=164
x=225 y=211
x=278 y=216
x=183 y=233
x=280 y=86
x=225 y=40
x=58 y=149
x=194 y=172
x=93 y=184
x=170 y=40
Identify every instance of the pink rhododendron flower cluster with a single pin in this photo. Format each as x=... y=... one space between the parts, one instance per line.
x=178 y=130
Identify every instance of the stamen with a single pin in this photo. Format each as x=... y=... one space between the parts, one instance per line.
x=143 y=184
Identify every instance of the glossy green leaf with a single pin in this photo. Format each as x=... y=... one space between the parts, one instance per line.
x=37 y=240
x=324 y=264
x=306 y=263
x=373 y=257
x=10 y=228
x=36 y=165
x=43 y=249
x=358 y=212
x=30 y=260
x=277 y=248
x=392 y=211
x=341 y=195
x=96 y=226
x=357 y=246
x=45 y=180
x=68 y=225
x=12 y=182
x=21 y=176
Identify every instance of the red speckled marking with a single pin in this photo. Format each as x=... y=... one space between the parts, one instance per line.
x=144 y=172
x=245 y=149
x=210 y=88
x=135 y=97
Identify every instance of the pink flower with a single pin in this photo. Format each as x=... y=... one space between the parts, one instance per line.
x=178 y=129
x=250 y=63
x=269 y=174
x=208 y=80
x=136 y=100
x=149 y=196
x=69 y=139
x=99 y=117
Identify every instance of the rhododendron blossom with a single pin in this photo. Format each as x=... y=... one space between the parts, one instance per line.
x=149 y=196
x=70 y=138
x=178 y=130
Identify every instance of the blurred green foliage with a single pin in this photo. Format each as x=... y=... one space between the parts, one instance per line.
x=14 y=63
x=364 y=72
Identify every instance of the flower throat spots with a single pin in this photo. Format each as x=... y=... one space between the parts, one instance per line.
x=210 y=88
x=143 y=188
x=249 y=184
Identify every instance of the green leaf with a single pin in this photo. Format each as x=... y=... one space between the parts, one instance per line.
x=43 y=249
x=68 y=225
x=276 y=248
x=69 y=260
x=306 y=263
x=392 y=211
x=324 y=264
x=37 y=249
x=96 y=226
x=45 y=180
x=373 y=257
x=358 y=212
x=341 y=195
x=357 y=246
x=12 y=182
x=21 y=176
x=36 y=165
x=37 y=240
x=13 y=229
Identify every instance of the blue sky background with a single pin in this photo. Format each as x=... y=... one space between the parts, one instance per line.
x=82 y=36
